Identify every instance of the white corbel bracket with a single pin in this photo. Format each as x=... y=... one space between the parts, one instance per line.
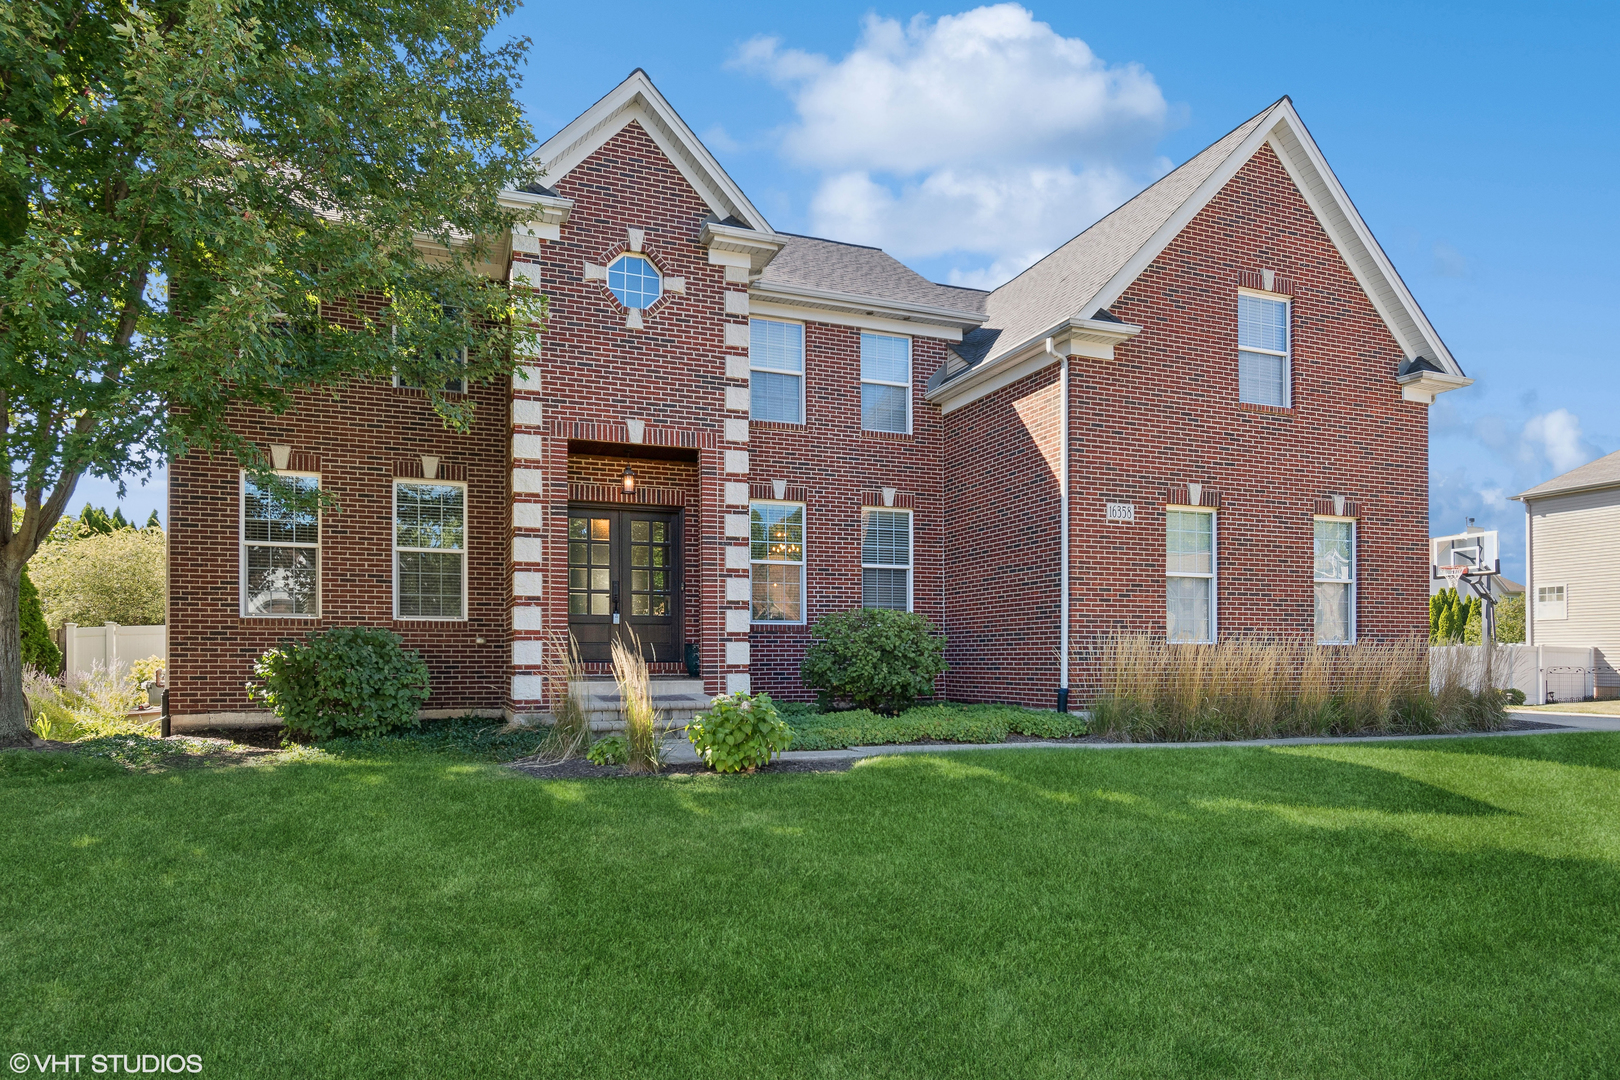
x=1093 y=338
x=1424 y=386
x=730 y=245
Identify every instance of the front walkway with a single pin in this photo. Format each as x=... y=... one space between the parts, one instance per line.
x=680 y=751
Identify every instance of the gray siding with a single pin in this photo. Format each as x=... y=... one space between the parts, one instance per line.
x=1575 y=542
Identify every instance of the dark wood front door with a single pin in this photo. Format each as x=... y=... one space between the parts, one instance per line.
x=624 y=573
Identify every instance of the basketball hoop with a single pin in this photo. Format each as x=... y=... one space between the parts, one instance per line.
x=1454 y=574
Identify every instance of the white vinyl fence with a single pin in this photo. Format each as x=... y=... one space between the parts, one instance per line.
x=84 y=647
x=1546 y=673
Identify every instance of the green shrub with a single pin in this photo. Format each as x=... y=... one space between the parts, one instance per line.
x=609 y=750
x=876 y=659
x=84 y=704
x=349 y=680
x=1513 y=696
x=38 y=650
x=739 y=733
x=942 y=723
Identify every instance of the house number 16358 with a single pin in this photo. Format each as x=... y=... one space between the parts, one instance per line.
x=1123 y=513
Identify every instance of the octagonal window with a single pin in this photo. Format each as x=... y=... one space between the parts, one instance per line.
x=634 y=280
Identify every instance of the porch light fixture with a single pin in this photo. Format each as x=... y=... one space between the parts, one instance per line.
x=629 y=479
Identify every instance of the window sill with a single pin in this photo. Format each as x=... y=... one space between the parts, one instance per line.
x=775 y=425
x=1270 y=410
x=889 y=436
x=277 y=618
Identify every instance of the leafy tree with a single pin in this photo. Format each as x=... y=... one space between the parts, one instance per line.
x=152 y=521
x=1437 y=607
x=1510 y=620
x=93 y=519
x=38 y=650
x=94 y=578
x=190 y=196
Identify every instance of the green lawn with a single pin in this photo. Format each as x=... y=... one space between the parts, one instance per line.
x=1610 y=707
x=1443 y=908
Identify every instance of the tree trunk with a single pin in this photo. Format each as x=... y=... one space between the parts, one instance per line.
x=14 y=717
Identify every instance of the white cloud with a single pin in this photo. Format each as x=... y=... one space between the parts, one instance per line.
x=1448 y=261
x=985 y=132
x=1556 y=436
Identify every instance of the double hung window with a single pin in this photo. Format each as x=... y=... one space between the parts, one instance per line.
x=281 y=546
x=1334 y=572
x=776 y=553
x=1189 y=567
x=776 y=371
x=885 y=383
x=886 y=559
x=1263 y=367
x=430 y=550
x=451 y=386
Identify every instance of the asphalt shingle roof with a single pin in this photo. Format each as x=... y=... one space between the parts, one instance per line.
x=854 y=270
x=1604 y=472
x=1065 y=283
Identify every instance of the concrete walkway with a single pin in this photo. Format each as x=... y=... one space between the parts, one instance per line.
x=1580 y=721
x=679 y=750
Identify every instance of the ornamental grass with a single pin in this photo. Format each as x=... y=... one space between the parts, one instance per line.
x=1150 y=690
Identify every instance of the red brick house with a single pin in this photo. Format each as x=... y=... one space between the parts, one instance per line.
x=1205 y=415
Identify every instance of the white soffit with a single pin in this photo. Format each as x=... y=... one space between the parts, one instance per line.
x=1321 y=189
x=637 y=99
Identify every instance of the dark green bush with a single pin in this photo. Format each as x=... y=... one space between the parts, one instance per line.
x=873 y=658
x=738 y=733
x=38 y=650
x=1513 y=696
x=349 y=680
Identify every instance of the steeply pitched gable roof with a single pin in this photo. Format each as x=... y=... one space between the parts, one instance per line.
x=1602 y=473
x=809 y=262
x=1092 y=270
x=636 y=98
x=1066 y=281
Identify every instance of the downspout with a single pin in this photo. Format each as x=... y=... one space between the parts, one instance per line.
x=1063 y=526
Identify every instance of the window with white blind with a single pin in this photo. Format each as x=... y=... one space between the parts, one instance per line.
x=1551 y=602
x=281 y=546
x=886 y=559
x=1263 y=368
x=1334 y=576
x=430 y=550
x=885 y=383
x=1189 y=568
x=776 y=555
x=776 y=371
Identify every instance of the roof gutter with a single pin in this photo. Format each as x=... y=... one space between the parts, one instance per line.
x=869 y=305
x=1093 y=339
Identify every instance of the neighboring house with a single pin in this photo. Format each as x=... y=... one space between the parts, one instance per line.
x=1473 y=547
x=1570 y=526
x=1205 y=415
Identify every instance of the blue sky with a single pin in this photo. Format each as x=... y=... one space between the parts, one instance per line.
x=1480 y=142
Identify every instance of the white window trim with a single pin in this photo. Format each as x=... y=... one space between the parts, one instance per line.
x=243 y=544
x=1544 y=608
x=885 y=382
x=394 y=330
x=911 y=551
x=754 y=366
x=1355 y=574
x=393 y=541
x=1213 y=575
x=657 y=270
x=804 y=558
x=1287 y=353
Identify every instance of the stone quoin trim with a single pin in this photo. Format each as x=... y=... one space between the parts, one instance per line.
x=1145 y=367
